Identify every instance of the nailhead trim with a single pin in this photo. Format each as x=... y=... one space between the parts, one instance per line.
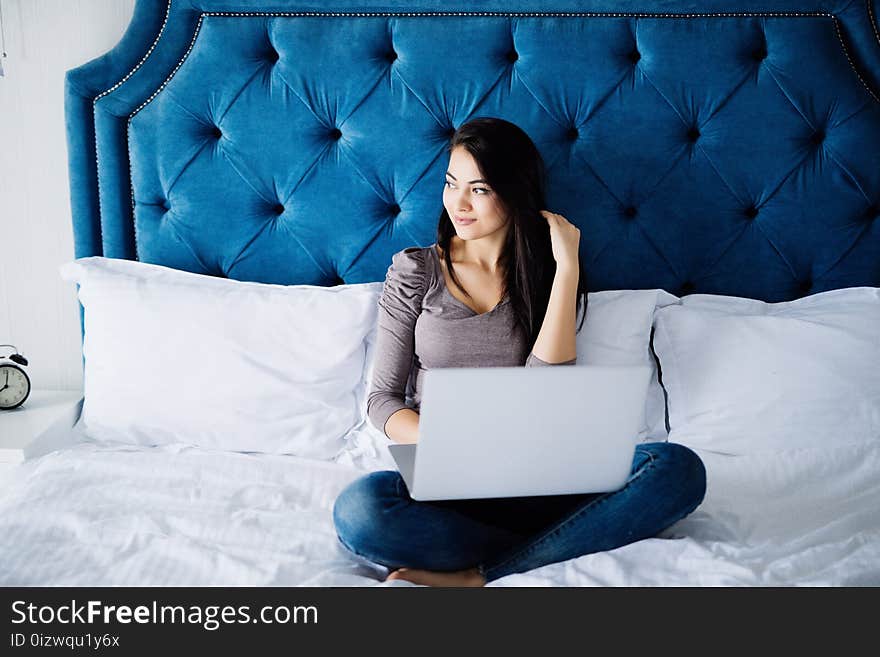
x=315 y=14
x=134 y=113
x=134 y=223
x=192 y=43
x=851 y=64
x=255 y=14
x=873 y=20
x=512 y=14
x=94 y=108
x=143 y=59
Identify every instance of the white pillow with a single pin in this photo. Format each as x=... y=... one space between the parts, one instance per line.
x=743 y=375
x=177 y=357
x=617 y=331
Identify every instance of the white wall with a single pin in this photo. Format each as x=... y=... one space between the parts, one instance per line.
x=38 y=311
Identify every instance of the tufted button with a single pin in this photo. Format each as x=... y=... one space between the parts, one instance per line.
x=164 y=205
x=630 y=212
x=272 y=56
x=216 y=132
x=450 y=131
x=512 y=56
x=278 y=209
x=687 y=288
x=805 y=286
x=693 y=134
x=572 y=134
x=818 y=137
x=634 y=56
x=751 y=212
x=335 y=134
x=394 y=209
x=391 y=55
x=873 y=213
x=760 y=53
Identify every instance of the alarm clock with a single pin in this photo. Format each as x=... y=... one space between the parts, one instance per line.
x=15 y=386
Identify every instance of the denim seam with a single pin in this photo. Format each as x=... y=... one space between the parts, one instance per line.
x=483 y=569
x=374 y=558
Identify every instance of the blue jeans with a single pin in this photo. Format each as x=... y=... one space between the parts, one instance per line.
x=376 y=518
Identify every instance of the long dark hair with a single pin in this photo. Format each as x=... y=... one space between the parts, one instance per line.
x=512 y=166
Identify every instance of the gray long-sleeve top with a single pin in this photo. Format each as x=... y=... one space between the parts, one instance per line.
x=421 y=325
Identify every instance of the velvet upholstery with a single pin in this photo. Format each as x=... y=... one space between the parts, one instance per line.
x=726 y=147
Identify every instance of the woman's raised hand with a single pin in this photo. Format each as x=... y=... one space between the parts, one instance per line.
x=565 y=237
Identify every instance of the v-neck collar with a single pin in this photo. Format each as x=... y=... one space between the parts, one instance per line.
x=442 y=278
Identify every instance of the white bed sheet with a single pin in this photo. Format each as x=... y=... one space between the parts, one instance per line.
x=102 y=514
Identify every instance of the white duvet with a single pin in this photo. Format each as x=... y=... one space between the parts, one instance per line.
x=102 y=514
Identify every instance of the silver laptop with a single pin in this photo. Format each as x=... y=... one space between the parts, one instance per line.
x=523 y=431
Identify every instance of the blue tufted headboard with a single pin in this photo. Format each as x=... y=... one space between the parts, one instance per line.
x=727 y=147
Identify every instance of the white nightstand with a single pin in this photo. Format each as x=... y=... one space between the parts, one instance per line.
x=30 y=429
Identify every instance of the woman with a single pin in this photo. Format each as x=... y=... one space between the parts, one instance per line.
x=501 y=287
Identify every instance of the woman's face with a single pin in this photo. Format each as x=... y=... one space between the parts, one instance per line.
x=467 y=196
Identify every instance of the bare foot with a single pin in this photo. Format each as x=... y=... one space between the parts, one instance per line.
x=469 y=577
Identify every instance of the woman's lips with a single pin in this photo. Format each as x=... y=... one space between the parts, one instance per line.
x=464 y=221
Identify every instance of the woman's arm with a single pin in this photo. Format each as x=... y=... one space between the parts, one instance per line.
x=556 y=339
x=556 y=342
x=398 y=309
x=403 y=426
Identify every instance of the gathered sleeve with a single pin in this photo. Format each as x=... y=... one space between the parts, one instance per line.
x=400 y=305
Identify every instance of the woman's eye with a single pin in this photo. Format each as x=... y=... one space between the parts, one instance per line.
x=448 y=184
x=481 y=189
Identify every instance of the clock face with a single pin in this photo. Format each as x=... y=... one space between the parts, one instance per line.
x=14 y=386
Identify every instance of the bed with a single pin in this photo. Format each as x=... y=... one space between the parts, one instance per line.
x=721 y=158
